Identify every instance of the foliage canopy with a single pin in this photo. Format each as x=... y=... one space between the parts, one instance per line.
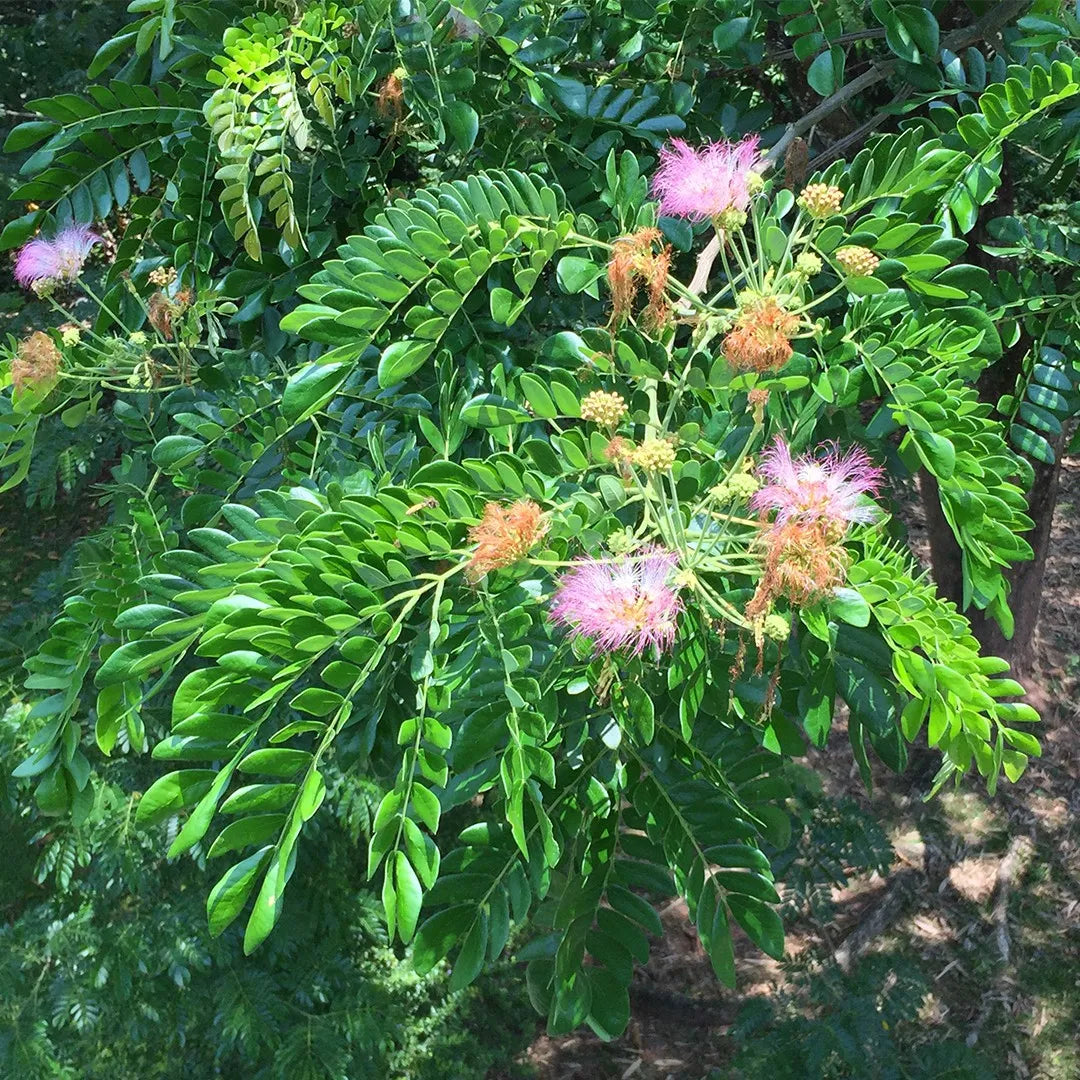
x=358 y=291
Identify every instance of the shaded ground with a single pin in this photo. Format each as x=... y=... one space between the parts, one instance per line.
x=983 y=895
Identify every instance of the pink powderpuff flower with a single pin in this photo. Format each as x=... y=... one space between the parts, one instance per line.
x=621 y=603
x=703 y=184
x=821 y=486
x=58 y=259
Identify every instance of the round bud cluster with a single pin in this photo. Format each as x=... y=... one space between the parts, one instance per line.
x=776 y=628
x=70 y=335
x=857 y=261
x=737 y=488
x=730 y=220
x=603 y=408
x=754 y=182
x=621 y=542
x=821 y=200
x=163 y=276
x=654 y=455
x=807 y=265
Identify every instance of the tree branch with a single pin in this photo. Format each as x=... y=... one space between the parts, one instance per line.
x=841 y=39
x=838 y=148
x=983 y=28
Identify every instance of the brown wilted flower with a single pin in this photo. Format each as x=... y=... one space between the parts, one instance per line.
x=603 y=408
x=160 y=313
x=857 y=261
x=804 y=562
x=505 y=535
x=619 y=452
x=821 y=200
x=796 y=163
x=634 y=263
x=761 y=339
x=36 y=361
x=757 y=399
x=390 y=100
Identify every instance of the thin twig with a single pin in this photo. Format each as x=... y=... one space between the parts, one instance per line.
x=842 y=39
x=726 y=72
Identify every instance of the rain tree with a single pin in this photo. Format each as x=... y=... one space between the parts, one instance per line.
x=514 y=403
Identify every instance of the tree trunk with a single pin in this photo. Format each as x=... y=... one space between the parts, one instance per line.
x=1025 y=579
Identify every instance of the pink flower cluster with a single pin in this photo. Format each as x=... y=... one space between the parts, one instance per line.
x=58 y=259
x=824 y=486
x=622 y=603
x=703 y=184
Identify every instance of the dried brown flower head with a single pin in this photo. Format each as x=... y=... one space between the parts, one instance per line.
x=796 y=163
x=804 y=562
x=634 y=263
x=390 y=100
x=504 y=535
x=160 y=313
x=37 y=361
x=761 y=338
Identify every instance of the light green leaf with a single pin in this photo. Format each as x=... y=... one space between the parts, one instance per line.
x=173 y=792
x=310 y=389
x=462 y=123
x=228 y=896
